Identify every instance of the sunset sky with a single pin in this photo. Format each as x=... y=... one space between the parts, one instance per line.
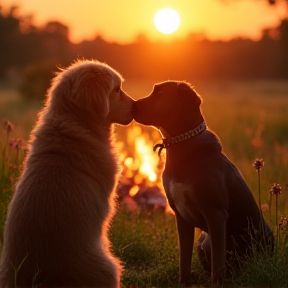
x=123 y=20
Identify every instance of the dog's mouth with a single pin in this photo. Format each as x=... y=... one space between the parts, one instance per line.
x=140 y=115
x=128 y=120
x=134 y=114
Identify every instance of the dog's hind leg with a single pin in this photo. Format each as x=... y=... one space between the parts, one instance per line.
x=186 y=240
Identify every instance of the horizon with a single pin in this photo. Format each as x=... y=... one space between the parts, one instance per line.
x=209 y=22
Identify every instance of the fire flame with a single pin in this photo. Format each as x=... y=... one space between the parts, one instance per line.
x=142 y=165
x=134 y=190
x=148 y=161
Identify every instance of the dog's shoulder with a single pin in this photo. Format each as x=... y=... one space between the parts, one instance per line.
x=208 y=141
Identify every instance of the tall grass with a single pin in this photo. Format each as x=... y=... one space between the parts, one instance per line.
x=251 y=121
x=147 y=243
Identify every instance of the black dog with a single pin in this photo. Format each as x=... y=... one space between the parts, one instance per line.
x=203 y=187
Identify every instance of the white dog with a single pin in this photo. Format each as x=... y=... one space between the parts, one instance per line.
x=56 y=228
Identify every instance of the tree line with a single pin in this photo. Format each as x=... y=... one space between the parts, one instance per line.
x=30 y=54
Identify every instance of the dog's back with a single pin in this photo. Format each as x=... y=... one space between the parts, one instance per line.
x=59 y=209
x=202 y=165
x=56 y=229
x=245 y=225
x=202 y=185
x=204 y=157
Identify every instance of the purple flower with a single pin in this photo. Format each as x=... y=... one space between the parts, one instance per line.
x=275 y=189
x=258 y=163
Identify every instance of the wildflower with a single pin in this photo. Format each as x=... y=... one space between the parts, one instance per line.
x=264 y=208
x=8 y=126
x=283 y=223
x=275 y=189
x=13 y=167
x=16 y=144
x=12 y=143
x=258 y=164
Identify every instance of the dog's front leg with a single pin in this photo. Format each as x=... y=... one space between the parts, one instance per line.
x=186 y=240
x=216 y=221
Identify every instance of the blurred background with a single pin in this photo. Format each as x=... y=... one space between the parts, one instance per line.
x=235 y=53
x=216 y=40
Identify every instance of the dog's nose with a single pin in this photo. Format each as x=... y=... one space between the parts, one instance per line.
x=134 y=109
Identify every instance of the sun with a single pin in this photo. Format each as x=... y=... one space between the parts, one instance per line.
x=167 y=20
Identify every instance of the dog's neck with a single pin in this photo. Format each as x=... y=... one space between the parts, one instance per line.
x=167 y=142
x=180 y=125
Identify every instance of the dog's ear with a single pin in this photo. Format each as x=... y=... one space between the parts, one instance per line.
x=186 y=90
x=92 y=94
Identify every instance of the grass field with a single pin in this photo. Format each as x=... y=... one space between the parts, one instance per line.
x=251 y=121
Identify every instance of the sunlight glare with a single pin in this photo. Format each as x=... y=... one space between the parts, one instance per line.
x=167 y=20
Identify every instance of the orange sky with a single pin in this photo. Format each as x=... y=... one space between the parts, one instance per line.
x=122 y=20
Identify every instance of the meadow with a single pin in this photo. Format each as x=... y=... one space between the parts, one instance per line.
x=251 y=120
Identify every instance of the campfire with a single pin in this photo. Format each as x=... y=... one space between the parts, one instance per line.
x=140 y=184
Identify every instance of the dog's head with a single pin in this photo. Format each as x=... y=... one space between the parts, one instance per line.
x=172 y=104
x=95 y=89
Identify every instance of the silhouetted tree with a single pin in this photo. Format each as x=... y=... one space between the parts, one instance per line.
x=284 y=47
x=55 y=40
x=36 y=51
x=10 y=39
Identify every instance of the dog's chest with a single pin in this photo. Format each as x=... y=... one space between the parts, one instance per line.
x=180 y=196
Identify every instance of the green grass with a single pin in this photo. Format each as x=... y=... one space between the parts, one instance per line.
x=264 y=270
x=148 y=246
x=147 y=243
x=251 y=121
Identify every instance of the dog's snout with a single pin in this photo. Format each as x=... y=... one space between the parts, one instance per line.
x=134 y=105
x=134 y=109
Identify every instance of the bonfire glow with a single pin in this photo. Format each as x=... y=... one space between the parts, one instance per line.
x=148 y=161
x=134 y=190
x=142 y=166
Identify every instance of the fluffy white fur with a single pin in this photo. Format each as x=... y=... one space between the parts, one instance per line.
x=56 y=228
